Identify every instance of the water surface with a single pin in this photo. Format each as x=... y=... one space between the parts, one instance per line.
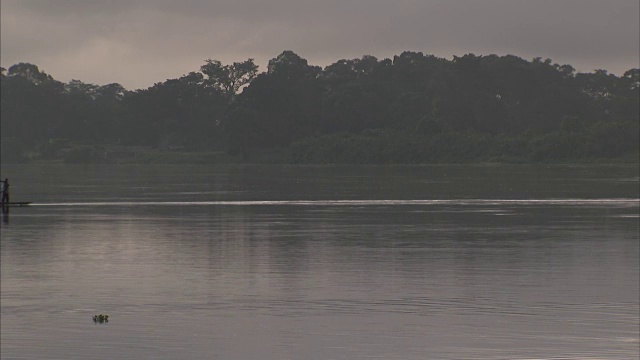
x=389 y=262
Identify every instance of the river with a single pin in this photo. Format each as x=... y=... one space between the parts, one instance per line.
x=321 y=262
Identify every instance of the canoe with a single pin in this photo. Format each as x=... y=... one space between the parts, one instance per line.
x=17 y=204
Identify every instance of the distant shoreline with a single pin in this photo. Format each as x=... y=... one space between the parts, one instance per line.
x=412 y=109
x=273 y=158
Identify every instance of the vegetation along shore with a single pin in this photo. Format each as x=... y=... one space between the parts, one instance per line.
x=414 y=108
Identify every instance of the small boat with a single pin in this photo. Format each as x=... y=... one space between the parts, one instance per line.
x=17 y=204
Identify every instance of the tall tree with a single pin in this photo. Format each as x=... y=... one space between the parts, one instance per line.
x=229 y=79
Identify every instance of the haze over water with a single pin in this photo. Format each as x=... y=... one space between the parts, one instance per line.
x=334 y=262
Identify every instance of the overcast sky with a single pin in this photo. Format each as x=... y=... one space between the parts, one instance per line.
x=140 y=42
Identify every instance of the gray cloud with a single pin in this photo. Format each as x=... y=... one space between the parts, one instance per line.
x=139 y=42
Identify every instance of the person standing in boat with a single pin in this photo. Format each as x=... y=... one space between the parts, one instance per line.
x=5 y=192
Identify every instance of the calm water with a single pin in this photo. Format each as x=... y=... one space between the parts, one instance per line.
x=389 y=262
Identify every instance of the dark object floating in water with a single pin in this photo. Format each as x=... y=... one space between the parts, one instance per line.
x=17 y=204
x=101 y=319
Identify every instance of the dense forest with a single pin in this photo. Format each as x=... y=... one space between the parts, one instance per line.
x=414 y=108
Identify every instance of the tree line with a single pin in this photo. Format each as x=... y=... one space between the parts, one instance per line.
x=414 y=108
